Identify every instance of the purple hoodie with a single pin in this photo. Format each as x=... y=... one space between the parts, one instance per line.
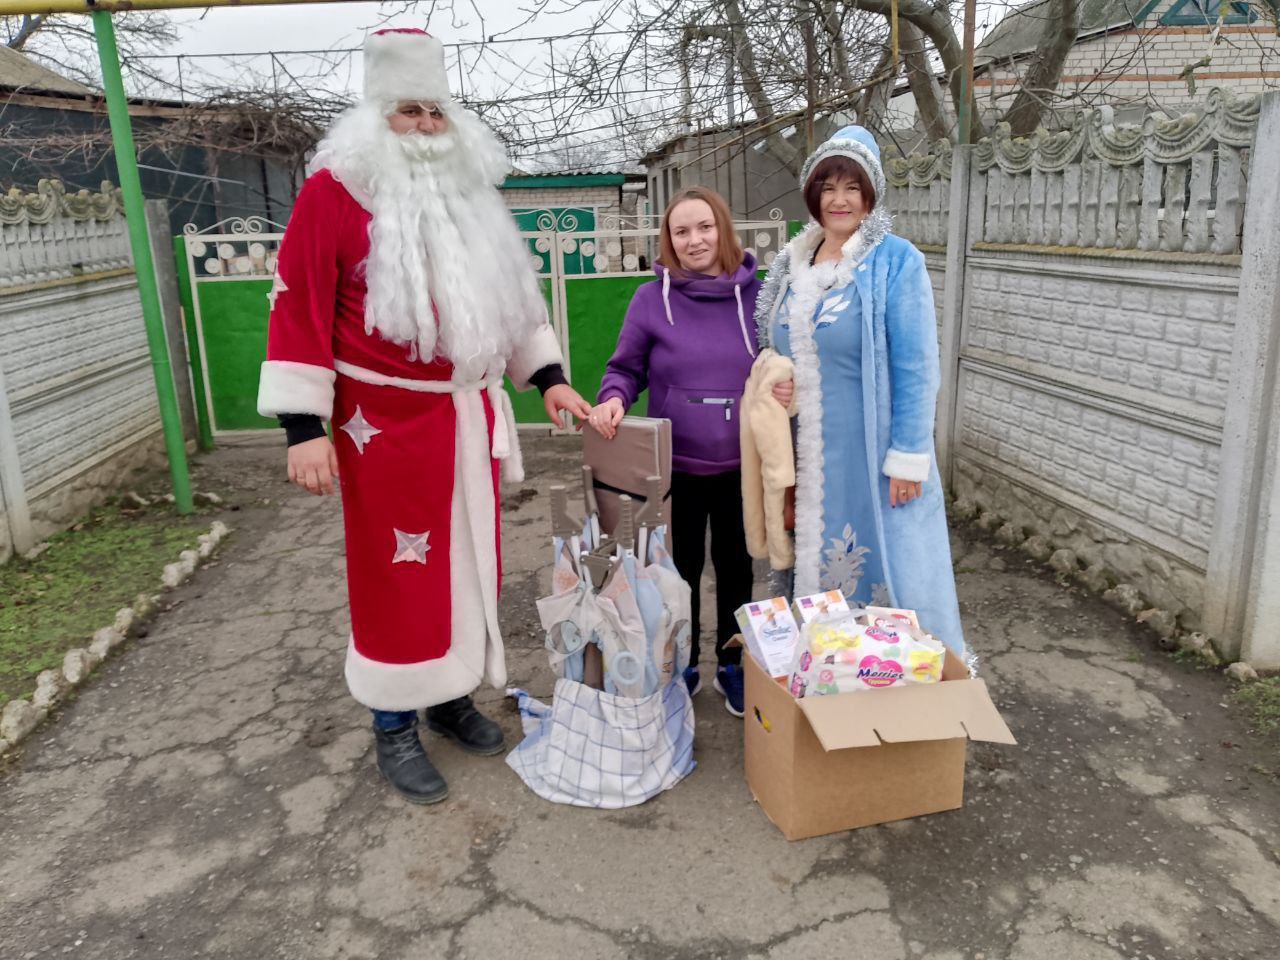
x=691 y=340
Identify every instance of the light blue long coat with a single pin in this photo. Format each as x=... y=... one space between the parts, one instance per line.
x=885 y=289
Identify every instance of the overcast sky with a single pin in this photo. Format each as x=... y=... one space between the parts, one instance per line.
x=298 y=26
x=507 y=69
x=238 y=30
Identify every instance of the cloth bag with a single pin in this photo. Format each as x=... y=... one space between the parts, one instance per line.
x=595 y=749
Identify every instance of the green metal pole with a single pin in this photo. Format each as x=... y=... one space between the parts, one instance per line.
x=144 y=267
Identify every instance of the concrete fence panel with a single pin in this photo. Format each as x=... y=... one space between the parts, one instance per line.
x=78 y=411
x=1108 y=322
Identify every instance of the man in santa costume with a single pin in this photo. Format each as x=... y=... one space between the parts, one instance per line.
x=403 y=292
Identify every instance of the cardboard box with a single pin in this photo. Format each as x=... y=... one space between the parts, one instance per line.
x=825 y=764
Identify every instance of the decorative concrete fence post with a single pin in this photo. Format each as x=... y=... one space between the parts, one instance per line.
x=171 y=310
x=13 y=495
x=968 y=191
x=1242 y=596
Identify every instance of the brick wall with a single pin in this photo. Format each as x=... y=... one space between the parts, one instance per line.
x=1147 y=63
x=605 y=199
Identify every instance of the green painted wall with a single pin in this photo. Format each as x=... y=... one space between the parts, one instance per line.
x=595 y=308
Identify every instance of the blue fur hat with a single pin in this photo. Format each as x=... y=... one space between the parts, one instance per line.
x=858 y=145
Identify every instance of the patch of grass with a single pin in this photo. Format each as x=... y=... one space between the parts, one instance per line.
x=56 y=601
x=1261 y=699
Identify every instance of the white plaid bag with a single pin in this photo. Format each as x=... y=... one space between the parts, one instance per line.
x=595 y=749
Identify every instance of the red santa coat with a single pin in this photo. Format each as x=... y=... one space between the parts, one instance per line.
x=418 y=458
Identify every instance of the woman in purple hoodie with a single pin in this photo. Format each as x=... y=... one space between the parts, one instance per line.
x=689 y=338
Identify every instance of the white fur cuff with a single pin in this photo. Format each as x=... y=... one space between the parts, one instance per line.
x=541 y=349
x=289 y=387
x=408 y=686
x=907 y=466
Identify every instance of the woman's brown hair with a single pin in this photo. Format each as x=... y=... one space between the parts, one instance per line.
x=730 y=251
x=836 y=168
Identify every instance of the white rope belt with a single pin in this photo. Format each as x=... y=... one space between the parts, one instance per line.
x=506 y=443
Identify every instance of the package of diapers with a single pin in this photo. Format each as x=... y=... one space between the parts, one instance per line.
x=853 y=651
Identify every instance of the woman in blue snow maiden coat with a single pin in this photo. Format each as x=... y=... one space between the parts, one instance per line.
x=851 y=305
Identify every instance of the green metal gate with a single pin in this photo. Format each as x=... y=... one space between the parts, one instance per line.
x=225 y=274
x=589 y=267
x=591 y=275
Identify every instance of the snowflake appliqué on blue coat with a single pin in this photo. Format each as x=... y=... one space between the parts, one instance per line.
x=831 y=309
x=828 y=313
x=844 y=562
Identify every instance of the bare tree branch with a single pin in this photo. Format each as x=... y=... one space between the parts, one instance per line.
x=873 y=105
x=66 y=44
x=924 y=83
x=1041 y=80
x=29 y=25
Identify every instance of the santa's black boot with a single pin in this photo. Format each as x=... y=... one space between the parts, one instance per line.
x=404 y=763
x=460 y=720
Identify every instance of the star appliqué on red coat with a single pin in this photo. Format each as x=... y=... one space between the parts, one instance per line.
x=360 y=430
x=411 y=547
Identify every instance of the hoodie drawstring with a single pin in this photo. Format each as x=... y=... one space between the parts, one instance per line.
x=737 y=295
x=666 y=295
x=742 y=320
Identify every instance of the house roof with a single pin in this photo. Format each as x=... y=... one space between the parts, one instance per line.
x=20 y=72
x=666 y=146
x=520 y=180
x=1019 y=33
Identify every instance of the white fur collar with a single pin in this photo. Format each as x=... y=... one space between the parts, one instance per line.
x=792 y=265
x=856 y=249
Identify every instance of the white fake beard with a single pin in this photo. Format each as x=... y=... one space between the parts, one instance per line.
x=440 y=234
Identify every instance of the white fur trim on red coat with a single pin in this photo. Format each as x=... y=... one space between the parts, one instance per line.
x=408 y=686
x=405 y=66
x=907 y=466
x=286 y=386
x=475 y=652
x=540 y=350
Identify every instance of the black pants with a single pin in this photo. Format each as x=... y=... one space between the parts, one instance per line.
x=718 y=498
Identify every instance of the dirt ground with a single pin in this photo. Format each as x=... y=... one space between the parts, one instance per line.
x=212 y=793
